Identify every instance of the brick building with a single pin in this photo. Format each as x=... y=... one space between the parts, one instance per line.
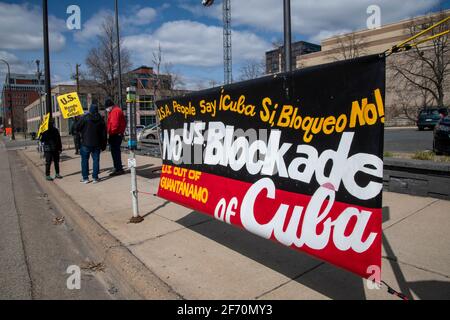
x=19 y=91
x=146 y=80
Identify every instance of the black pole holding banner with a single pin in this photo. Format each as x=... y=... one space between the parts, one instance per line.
x=48 y=93
x=119 y=63
x=287 y=36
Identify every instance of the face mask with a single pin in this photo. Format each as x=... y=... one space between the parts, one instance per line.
x=109 y=109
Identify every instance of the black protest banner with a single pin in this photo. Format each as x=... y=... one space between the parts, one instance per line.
x=295 y=157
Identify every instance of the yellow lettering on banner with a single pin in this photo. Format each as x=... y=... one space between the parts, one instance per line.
x=70 y=105
x=367 y=113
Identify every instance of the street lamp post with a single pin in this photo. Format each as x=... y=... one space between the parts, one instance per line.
x=118 y=54
x=287 y=36
x=13 y=137
x=48 y=93
x=38 y=74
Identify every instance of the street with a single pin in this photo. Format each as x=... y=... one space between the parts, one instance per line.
x=407 y=140
x=35 y=249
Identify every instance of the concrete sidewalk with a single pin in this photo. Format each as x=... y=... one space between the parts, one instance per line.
x=201 y=258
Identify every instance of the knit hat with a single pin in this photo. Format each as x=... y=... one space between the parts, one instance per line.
x=93 y=109
x=109 y=103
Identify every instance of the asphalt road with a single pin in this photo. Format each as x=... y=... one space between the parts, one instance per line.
x=408 y=140
x=34 y=252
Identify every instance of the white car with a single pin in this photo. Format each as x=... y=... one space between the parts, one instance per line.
x=148 y=134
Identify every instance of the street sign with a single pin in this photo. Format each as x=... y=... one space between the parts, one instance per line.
x=131 y=163
x=70 y=105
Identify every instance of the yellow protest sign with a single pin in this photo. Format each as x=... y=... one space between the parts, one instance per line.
x=44 y=125
x=70 y=105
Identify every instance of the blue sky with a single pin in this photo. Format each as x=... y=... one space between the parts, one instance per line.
x=190 y=35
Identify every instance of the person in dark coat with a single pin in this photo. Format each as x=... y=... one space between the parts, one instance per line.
x=76 y=135
x=92 y=130
x=51 y=141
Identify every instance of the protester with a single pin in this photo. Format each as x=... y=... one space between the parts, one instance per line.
x=51 y=141
x=76 y=135
x=92 y=131
x=116 y=130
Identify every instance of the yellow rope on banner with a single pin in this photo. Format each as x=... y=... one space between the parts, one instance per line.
x=406 y=45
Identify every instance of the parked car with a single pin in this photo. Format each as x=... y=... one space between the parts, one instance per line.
x=139 y=128
x=428 y=118
x=443 y=112
x=148 y=134
x=441 y=136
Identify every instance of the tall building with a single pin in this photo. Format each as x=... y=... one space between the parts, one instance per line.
x=18 y=92
x=275 y=58
x=149 y=88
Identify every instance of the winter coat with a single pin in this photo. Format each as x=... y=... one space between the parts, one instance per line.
x=116 y=122
x=92 y=130
x=51 y=140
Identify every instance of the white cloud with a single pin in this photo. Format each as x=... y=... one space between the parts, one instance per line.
x=16 y=65
x=21 y=28
x=312 y=17
x=93 y=26
x=143 y=16
x=194 y=44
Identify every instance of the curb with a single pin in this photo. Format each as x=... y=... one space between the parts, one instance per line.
x=135 y=279
x=417 y=177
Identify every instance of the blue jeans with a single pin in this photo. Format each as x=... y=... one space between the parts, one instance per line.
x=85 y=155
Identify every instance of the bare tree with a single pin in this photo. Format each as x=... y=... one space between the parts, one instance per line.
x=102 y=61
x=349 y=46
x=157 y=62
x=174 y=78
x=426 y=67
x=252 y=69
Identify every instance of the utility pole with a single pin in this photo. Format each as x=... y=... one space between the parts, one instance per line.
x=48 y=92
x=287 y=36
x=38 y=74
x=41 y=114
x=77 y=76
x=118 y=54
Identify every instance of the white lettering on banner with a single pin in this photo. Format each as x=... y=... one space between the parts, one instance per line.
x=313 y=216
x=267 y=158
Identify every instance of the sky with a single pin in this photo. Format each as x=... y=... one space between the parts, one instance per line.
x=190 y=35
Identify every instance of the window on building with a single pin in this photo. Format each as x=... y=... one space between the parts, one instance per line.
x=148 y=120
x=83 y=100
x=147 y=105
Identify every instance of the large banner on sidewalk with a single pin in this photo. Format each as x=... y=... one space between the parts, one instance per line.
x=295 y=157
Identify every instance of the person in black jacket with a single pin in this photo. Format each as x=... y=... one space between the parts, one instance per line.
x=76 y=135
x=92 y=130
x=51 y=141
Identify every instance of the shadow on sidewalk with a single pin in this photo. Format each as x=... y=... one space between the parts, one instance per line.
x=149 y=171
x=329 y=281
